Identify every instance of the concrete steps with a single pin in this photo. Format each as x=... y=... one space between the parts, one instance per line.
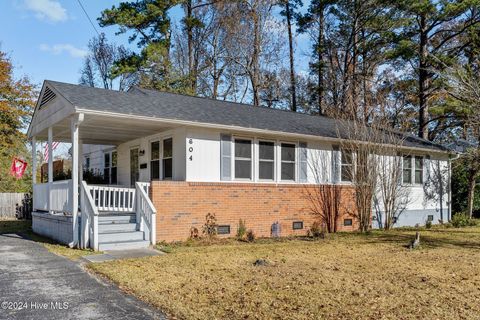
x=118 y=231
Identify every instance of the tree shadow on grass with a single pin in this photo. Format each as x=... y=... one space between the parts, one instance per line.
x=428 y=239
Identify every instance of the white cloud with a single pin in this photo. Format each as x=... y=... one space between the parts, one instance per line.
x=61 y=48
x=50 y=10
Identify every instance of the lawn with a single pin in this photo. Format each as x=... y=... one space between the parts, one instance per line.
x=24 y=228
x=346 y=276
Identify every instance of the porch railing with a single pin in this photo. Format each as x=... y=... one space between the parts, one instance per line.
x=59 y=193
x=89 y=220
x=146 y=213
x=113 y=198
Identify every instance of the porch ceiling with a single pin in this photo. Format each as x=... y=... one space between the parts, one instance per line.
x=107 y=130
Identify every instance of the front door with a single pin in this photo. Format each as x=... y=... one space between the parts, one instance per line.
x=134 y=166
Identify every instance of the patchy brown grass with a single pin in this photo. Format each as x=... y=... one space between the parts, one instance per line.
x=346 y=276
x=24 y=227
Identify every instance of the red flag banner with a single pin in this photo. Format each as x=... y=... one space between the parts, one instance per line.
x=18 y=168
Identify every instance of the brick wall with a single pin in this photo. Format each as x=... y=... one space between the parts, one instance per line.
x=182 y=205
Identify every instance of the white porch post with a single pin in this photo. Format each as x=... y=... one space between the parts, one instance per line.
x=50 y=167
x=80 y=161
x=34 y=161
x=76 y=120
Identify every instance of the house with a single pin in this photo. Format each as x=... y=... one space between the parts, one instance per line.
x=171 y=159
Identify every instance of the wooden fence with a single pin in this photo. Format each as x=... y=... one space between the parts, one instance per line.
x=17 y=205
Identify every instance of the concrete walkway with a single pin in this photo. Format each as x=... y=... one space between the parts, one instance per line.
x=46 y=286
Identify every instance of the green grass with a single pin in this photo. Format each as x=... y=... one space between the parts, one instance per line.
x=345 y=276
x=24 y=227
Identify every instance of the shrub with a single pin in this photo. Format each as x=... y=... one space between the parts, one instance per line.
x=317 y=230
x=194 y=233
x=461 y=220
x=428 y=224
x=242 y=230
x=250 y=236
x=210 y=226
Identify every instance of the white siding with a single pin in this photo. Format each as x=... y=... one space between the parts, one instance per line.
x=196 y=157
x=95 y=154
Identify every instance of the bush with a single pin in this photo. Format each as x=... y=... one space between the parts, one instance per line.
x=462 y=220
x=242 y=230
x=194 y=233
x=250 y=236
x=316 y=230
x=210 y=226
x=428 y=224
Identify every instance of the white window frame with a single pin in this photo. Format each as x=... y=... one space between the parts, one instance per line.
x=159 y=157
x=162 y=150
x=252 y=158
x=413 y=169
x=341 y=165
x=110 y=155
x=274 y=160
x=296 y=164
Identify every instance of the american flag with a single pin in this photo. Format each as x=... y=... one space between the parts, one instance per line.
x=45 y=152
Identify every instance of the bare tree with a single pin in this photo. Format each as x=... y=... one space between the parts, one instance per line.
x=463 y=85
x=371 y=163
x=324 y=198
x=391 y=197
x=99 y=65
x=436 y=185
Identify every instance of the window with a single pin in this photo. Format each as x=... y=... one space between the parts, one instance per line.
x=419 y=170
x=346 y=167
x=106 y=167
x=430 y=217
x=288 y=161
x=266 y=160
x=167 y=160
x=407 y=169
x=155 y=160
x=347 y=222
x=110 y=167
x=223 y=229
x=243 y=159
x=297 y=225
x=412 y=169
x=113 y=169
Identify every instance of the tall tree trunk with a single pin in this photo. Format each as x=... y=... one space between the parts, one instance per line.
x=471 y=192
x=320 y=49
x=189 y=27
x=255 y=76
x=293 y=93
x=423 y=80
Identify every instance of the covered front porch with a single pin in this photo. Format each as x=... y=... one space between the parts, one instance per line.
x=72 y=211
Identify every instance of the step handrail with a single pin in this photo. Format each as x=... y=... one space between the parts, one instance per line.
x=147 y=213
x=89 y=216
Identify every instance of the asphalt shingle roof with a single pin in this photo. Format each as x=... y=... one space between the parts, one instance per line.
x=166 y=105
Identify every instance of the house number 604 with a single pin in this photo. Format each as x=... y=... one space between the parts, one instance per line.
x=190 y=141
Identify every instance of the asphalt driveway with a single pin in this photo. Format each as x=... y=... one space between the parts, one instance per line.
x=36 y=284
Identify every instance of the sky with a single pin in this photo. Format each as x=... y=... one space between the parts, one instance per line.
x=47 y=39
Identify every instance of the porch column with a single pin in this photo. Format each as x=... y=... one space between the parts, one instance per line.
x=76 y=120
x=50 y=167
x=80 y=161
x=34 y=161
